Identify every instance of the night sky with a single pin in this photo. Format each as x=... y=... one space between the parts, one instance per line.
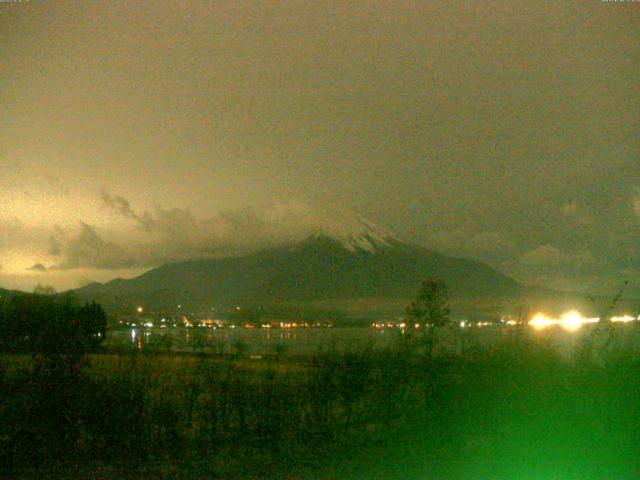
x=137 y=133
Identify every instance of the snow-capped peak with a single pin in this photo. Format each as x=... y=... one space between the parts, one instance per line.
x=354 y=232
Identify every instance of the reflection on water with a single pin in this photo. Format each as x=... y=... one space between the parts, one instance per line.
x=311 y=341
x=259 y=341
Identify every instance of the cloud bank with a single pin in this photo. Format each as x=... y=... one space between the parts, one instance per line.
x=145 y=239
x=126 y=241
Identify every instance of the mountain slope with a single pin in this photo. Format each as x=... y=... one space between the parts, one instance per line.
x=7 y=294
x=369 y=263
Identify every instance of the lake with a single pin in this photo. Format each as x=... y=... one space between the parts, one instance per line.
x=312 y=341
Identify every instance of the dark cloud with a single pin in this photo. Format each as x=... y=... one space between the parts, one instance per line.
x=122 y=206
x=168 y=235
x=37 y=267
x=176 y=234
x=89 y=250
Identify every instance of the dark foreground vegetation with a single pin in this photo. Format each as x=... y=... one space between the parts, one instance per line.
x=48 y=325
x=514 y=411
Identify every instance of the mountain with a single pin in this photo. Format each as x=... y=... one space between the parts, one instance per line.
x=6 y=294
x=331 y=266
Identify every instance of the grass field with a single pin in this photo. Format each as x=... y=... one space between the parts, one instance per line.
x=515 y=411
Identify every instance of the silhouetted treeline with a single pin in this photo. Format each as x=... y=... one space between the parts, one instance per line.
x=50 y=324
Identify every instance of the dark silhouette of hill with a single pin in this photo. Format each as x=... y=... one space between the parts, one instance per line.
x=319 y=267
x=5 y=294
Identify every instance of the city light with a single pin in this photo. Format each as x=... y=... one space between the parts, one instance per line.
x=573 y=320
x=624 y=318
x=570 y=321
x=540 y=321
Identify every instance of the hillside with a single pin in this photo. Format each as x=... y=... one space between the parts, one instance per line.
x=319 y=268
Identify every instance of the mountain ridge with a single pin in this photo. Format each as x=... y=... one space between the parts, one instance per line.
x=319 y=267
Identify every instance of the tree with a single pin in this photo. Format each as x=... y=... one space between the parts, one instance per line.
x=93 y=323
x=430 y=311
x=50 y=325
x=430 y=308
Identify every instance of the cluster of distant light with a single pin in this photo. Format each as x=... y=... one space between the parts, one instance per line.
x=465 y=323
x=572 y=320
x=215 y=324
x=390 y=324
